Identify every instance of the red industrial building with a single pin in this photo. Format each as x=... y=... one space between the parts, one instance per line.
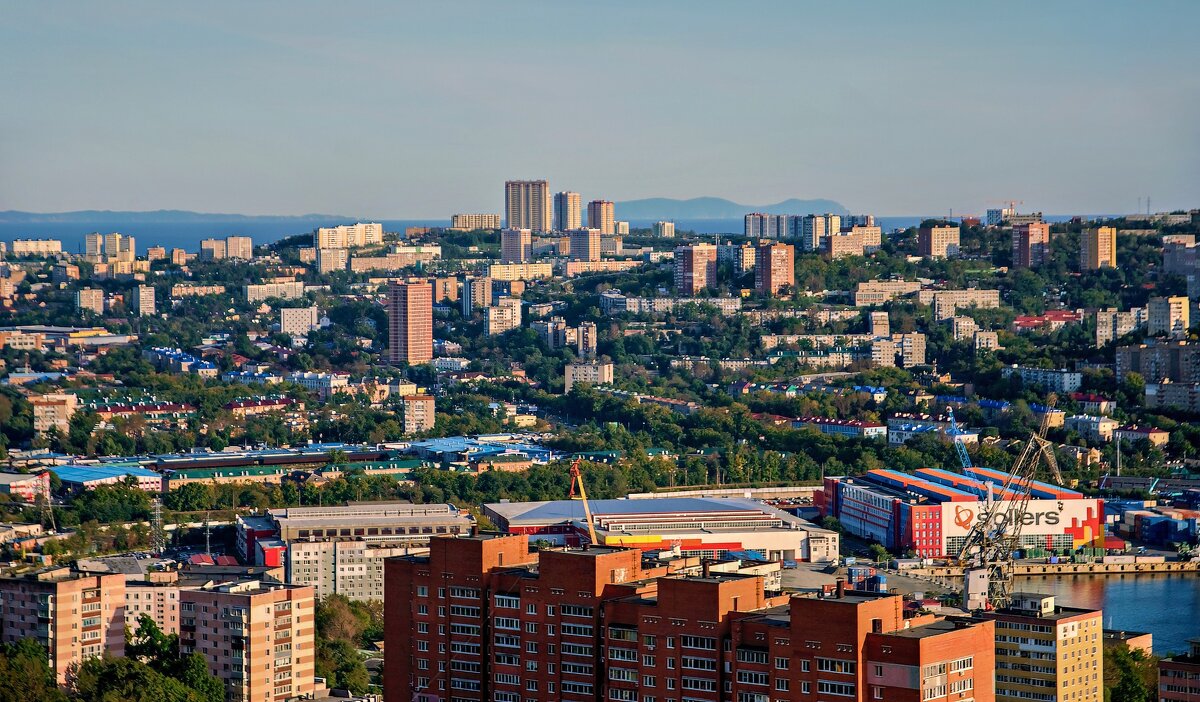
x=482 y=618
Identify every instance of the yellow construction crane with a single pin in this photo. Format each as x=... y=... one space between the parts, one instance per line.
x=577 y=477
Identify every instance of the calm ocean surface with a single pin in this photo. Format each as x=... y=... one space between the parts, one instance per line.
x=1167 y=606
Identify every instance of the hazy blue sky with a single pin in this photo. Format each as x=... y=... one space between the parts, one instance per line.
x=422 y=109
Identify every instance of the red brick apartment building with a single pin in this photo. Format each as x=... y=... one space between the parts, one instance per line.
x=482 y=618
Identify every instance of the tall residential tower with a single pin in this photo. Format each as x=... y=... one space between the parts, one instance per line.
x=527 y=205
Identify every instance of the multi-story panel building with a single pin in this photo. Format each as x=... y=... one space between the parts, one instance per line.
x=444 y=289
x=239 y=248
x=471 y=222
x=877 y=292
x=774 y=268
x=259 y=638
x=90 y=300
x=142 y=301
x=195 y=290
x=585 y=244
x=1051 y=379
x=843 y=244
x=520 y=271
x=938 y=241
x=410 y=322
x=331 y=260
x=1168 y=316
x=815 y=229
x=53 y=410
x=1179 y=676
x=505 y=315
x=1047 y=652
x=351 y=568
x=757 y=225
x=946 y=302
x=516 y=245
x=1030 y=244
x=419 y=413
x=477 y=295
x=284 y=290
x=568 y=211
x=880 y=324
x=695 y=268
x=93 y=246
x=157 y=598
x=212 y=250
x=73 y=616
x=298 y=321
x=601 y=216
x=869 y=235
x=1180 y=254
x=36 y=247
x=348 y=236
x=1098 y=248
x=476 y=620
x=527 y=205
x=1155 y=361
x=664 y=229
x=587 y=339
x=592 y=372
x=1112 y=324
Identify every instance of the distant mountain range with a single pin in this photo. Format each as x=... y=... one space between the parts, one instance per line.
x=718 y=208
x=155 y=217
x=650 y=208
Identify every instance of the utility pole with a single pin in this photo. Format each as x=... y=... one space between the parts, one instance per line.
x=47 y=507
x=158 y=537
x=207 y=536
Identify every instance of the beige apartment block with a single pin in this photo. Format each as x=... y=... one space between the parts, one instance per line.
x=1098 y=249
x=259 y=638
x=601 y=216
x=592 y=372
x=471 y=222
x=74 y=616
x=938 y=241
x=53 y=410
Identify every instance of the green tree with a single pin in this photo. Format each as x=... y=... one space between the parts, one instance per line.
x=127 y=680
x=25 y=674
x=1129 y=675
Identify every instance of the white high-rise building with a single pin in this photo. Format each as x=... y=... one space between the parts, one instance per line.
x=815 y=229
x=664 y=229
x=348 y=236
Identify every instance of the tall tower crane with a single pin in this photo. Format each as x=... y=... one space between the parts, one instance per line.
x=996 y=534
x=577 y=478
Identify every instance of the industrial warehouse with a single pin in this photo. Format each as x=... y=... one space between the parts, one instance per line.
x=706 y=527
x=929 y=512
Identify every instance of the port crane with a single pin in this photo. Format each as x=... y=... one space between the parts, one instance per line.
x=577 y=478
x=988 y=548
